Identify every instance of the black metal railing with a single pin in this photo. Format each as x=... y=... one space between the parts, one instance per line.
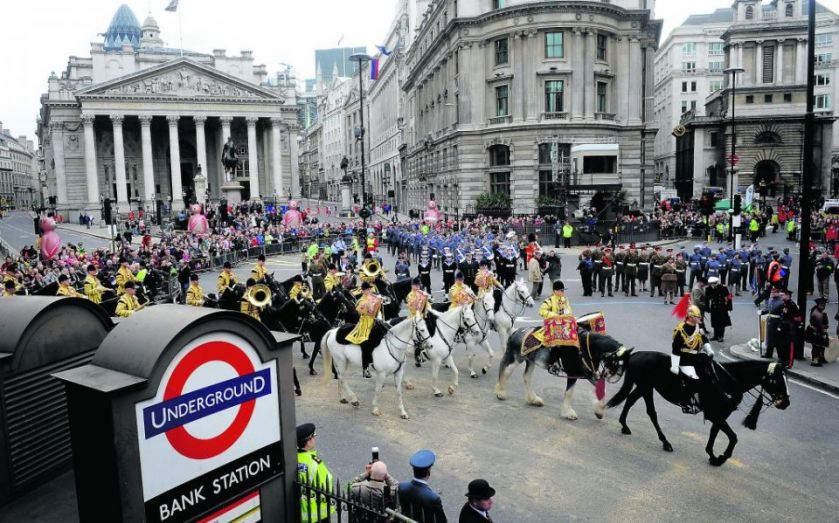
x=342 y=504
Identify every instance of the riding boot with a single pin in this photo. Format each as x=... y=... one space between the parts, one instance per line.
x=690 y=398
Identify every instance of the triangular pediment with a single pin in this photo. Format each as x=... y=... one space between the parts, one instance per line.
x=180 y=78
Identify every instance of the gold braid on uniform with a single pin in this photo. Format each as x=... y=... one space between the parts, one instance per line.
x=691 y=342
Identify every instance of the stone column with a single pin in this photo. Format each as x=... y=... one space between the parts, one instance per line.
x=292 y=155
x=175 y=162
x=90 y=160
x=57 y=134
x=801 y=61
x=531 y=82
x=277 y=156
x=624 y=95
x=253 y=159
x=698 y=161
x=759 y=62
x=740 y=77
x=119 y=162
x=779 y=62
x=464 y=83
x=588 y=66
x=578 y=77
x=201 y=148
x=148 y=165
x=636 y=101
x=517 y=91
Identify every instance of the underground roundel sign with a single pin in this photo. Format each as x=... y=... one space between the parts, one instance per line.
x=212 y=430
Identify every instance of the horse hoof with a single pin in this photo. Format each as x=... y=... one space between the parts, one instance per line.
x=484 y=370
x=473 y=375
x=598 y=414
x=313 y=372
x=298 y=392
x=625 y=430
x=355 y=403
x=536 y=402
x=404 y=415
x=571 y=415
x=715 y=461
x=667 y=446
x=344 y=401
x=376 y=412
x=451 y=390
x=438 y=394
x=409 y=386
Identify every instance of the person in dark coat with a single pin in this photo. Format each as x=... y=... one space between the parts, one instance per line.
x=479 y=502
x=718 y=305
x=417 y=499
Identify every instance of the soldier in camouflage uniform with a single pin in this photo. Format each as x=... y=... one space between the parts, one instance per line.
x=630 y=270
x=657 y=261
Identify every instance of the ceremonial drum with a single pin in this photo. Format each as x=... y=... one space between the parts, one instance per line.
x=593 y=322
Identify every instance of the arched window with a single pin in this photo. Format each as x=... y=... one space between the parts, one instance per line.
x=750 y=13
x=789 y=10
x=767 y=138
x=499 y=155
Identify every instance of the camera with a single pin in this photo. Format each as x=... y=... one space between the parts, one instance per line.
x=375 y=453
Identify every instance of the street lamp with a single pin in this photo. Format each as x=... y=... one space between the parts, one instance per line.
x=732 y=160
x=362 y=59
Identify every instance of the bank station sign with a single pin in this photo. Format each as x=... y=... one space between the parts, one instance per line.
x=211 y=433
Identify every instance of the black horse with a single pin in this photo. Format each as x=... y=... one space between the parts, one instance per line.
x=574 y=363
x=646 y=371
x=396 y=292
x=298 y=317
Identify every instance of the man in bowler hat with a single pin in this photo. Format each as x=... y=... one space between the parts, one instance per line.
x=479 y=501
x=416 y=498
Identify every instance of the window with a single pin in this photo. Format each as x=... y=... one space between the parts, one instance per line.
x=546 y=184
x=553 y=96
x=715 y=67
x=602 y=98
x=824 y=40
x=824 y=58
x=693 y=105
x=689 y=49
x=750 y=99
x=499 y=183
x=684 y=87
x=499 y=4
x=600 y=164
x=693 y=87
x=823 y=79
x=822 y=102
x=502 y=96
x=689 y=67
x=499 y=155
x=768 y=64
x=602 y=42
x=684 y=106
x=714 y=139
x=787 y=97
x=715 y=85
x=788 y=10
x=715 y=49
x=554 y=45
x=767 y=98
x=501 y=51
x=750 y=13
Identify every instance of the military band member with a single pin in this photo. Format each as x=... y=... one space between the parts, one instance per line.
x=643 y=268
x=194 y=293
x=459 y=294
x=8 y=288
x=128 y=303
x=418 y=302
x=688 y=344
x=485 y=280
x=656 y=263
x=630 y=271
x=245 y=305
x=124 y=275
x=556 y=304
x=65 y=289
x=259 y=271
x=424 y=271
x=226 y=280
x=92 y=287
x=368 y=307
x=333 y=278
x=607 y=269
x=449 y=268
x=296 y=288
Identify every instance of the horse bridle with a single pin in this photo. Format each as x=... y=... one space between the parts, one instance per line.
x=462 y=324
x=519 y=299
x=483 y=328
x=405 y=342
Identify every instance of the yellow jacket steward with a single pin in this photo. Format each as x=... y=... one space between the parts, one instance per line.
x=92 y=288
x=312 y=471
x=69 y=291
x=248 y=308
x=258 y=272
x=485 y=281
x=127 y=305
x=225 y=280
x=124 y=275
x=331 y=281
x=367 y=308
x=552 y=307
x=195 y=296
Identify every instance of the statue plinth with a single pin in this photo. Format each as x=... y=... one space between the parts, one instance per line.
x=346 y=199
x=232 y=192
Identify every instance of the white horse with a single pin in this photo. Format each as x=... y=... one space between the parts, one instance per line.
x=514 y=299
x=442 y=343
x=388 y=358
x=484 y=309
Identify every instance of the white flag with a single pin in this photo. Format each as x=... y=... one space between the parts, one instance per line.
x=173 y=6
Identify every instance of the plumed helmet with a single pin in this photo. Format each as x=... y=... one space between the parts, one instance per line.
x=694 y=312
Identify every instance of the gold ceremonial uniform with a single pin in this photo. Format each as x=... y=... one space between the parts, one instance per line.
x=295 y=291
x=225 y=280
x=195 y=296
x=417 y=302
x=248 y=308
x=459 y=294
x=552 y=307
x=258 y=272
x=331 y=281
x=92 y=288
x=485 y=281
x=127 y=305
x=124 y=275
x=7 y=294
x=68 y=290
x=367 y=307
x=10 y=277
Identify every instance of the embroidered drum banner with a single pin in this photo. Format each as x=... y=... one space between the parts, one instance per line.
x=561 y=330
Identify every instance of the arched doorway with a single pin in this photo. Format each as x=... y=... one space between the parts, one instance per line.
x=767 y=175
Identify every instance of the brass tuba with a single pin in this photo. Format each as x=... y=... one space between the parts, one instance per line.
x=260 y=295
x=372 y=269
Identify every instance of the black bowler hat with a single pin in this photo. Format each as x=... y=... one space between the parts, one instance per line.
x=227 y=265
x=416 y=281
x=304 y=433
x=297 y=278
x=480 y=489
x=366 y=285
x=559 y=286
x=129 y=285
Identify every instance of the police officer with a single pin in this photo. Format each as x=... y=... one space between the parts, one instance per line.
x=312 y=471
x=695 y=265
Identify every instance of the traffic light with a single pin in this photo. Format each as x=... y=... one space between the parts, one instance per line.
x=706 y=203
x=106 y=211
x=364 y=213
x=738 y=204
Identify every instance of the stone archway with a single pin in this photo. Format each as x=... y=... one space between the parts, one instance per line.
x=767 y=172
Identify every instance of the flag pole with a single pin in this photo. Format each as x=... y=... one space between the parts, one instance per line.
x=181 y=32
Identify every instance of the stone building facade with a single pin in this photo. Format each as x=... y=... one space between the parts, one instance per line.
x=491 y=86
x=136 y=122
x=19 y=186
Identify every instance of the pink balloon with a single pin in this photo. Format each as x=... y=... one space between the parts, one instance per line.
x=50 y=241
x=198 y=223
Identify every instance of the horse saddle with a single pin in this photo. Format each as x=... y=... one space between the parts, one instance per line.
x=530 y=343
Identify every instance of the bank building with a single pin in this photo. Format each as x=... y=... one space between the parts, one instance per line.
x=138 y=123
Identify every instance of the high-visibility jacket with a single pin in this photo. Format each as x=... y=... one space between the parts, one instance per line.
x=791 y=226
x=312 y=471
x=754 y=225
x=567 y=231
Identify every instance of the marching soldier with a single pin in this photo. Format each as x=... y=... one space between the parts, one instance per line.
x=586 y=266
x=607 y=269
x=124 y=275
x=643 y=268
x=620 y=268
x=656 y=263
x=630 y=271
x=246 y=306
x=681 y=272
x=226 y=280
x=696 y=265
x=333 y=279
x=8 y=288
x=424 y=271
x=449 y=268
x=194 y=293
x=92 y=288
x=688 y=344
x=485 y=280
x=65 y=289
x=597 y=260
x=258 y=272
x=128 y=303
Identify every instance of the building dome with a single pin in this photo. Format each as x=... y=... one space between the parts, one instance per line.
x=124 y=29
x=150 y=23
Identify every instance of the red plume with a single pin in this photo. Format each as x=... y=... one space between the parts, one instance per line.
x=681 y=308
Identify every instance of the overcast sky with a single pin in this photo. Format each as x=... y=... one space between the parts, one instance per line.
x=40 y=35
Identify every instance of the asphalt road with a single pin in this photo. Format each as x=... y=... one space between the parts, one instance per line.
x=18 y=230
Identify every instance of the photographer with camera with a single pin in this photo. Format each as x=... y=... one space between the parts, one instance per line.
x=374 y=488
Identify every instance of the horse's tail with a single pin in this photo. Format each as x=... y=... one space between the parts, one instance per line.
x=750 y=421
x=327 y=357
x=623 y=393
